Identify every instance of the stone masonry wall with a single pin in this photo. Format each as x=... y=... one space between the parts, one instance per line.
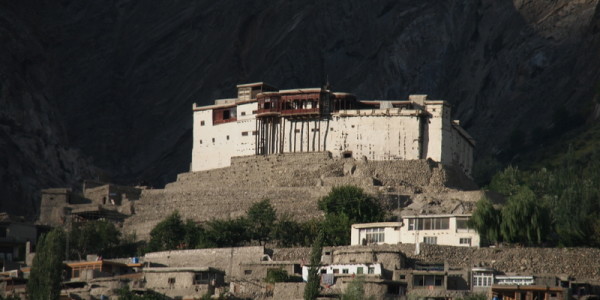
x=293 y=183
x=224 y=259
x=581 y=263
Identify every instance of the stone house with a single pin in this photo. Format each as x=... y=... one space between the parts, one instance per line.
x=14 y=234
x=450 y=230
x=263 y=120
x=434 y=280
x=330 y=273
x=259 y=270
x=96 y=201
x=183 y=281
x=87 y=270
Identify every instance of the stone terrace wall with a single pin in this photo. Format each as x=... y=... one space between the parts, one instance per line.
x=293 y=182
x=225 y=259
x=581 y=263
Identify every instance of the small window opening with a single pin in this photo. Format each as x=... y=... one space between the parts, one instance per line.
x=201 y=123
x=226 y=115
x=213 y=140
x=347 y=154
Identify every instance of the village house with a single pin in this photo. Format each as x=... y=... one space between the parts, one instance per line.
x=189 y=282
x=14 y=235
x=330 y=273
x=450 y=230
x=434 y=280
x=263 y=120
x=96 y=201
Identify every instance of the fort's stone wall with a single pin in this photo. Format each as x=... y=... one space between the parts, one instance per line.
x=293 y=182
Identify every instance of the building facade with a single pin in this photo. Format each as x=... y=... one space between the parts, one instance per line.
x=451 y=230
x=263 y=120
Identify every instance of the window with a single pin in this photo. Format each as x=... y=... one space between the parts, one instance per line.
x=213 y=139
x=314 y=129
x=359 y=270
x=205 y=277
x=482 y=279
x=432 y=240
x=465 y=241
x=254 y=132
x=429 y=224
x=226 y=115
x=323 y=271
x=254 y=112
x=297 y=130
x=228 y=138
x=200 y=142
x=243 y=113
x=201 y=123
x=336 y=271
x=371 y=270
x=171 y=280
x=247 y=272
x=373 y=235
x=344 y=271
x=75 y=273
x=245 y=133
x=461 y=223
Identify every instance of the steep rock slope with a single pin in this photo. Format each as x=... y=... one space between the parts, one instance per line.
x=34 y=152
x=118 y=77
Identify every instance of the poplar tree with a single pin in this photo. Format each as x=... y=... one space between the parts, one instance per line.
x=313 y=284
x=47 y=268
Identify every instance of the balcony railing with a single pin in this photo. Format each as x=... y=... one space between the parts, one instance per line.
x=305 y=111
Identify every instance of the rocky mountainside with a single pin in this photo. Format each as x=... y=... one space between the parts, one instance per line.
x=108 y=85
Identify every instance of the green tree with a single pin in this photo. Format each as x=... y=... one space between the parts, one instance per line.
x=524 y=220
x=93 y=237
x=261 y=221
x=344 y=206
x=506 y=182
x=356 y=290
x=168 y=234
x=353 y=202
x=277 y=275
x=336 y=229
x=226 y=233
x=486 y=220
x=46 y=270
x=313 y=284
x=289 y=233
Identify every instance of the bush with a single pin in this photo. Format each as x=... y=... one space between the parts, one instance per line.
x=277 y=275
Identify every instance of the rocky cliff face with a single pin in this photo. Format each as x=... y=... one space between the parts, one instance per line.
x=115 y=80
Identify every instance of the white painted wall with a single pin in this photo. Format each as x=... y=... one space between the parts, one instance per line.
x=229 y=139
x=352 y=269
x=449 y=237
x=377 y=134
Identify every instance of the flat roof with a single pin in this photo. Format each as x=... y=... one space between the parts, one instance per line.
x=304 y=90
x=377 y=224
x=182 y=269
x=437 y=216
x=251 y=84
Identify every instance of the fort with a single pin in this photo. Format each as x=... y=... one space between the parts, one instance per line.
x=263 y=120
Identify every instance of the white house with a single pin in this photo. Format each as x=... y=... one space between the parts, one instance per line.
x=345 y=270
x=263 y=120
x=451 y=230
